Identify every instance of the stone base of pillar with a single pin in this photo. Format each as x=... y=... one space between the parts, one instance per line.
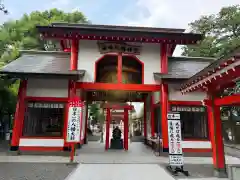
x=165 y=149
x=14 y=148
x=220 y=173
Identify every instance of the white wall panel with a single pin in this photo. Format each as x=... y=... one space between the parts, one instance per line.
x=197 y=144
x=41 y=142
x=176 y=95
x=150 y=56
x=87 y=56
x=47 y=87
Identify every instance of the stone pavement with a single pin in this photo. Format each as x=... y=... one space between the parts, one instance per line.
x=96 y=163
x=137 y=163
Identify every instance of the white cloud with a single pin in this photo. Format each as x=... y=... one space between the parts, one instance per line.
x=172 y=13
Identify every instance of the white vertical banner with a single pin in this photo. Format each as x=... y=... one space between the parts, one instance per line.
x=175 y=139
x=74 y=121
x=83 y=122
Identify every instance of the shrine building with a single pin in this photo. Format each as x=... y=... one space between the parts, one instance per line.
x=115 y=64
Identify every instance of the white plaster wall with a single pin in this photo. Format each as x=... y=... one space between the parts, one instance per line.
x=197 y=144
x=176 y=95
x=89 y=53
x=47 y=87
x=41 y=142
x=150 y=56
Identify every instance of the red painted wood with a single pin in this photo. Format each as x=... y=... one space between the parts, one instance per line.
x=164 y=111
x=200 y=150
x=215 y=128
x=86 y=123
x=57 y=35
x=145 y=119
x=119 y=68
x=125 y=129
x=152 y=116
x=74 y=55
x=19 y=114
x=46 y=99
x=164 y=59
x=187 y=103
x=228 y=100
x=111 y=86
x=108 y=119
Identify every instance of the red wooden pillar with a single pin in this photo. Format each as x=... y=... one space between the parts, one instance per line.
x=145 y=119
x=74 y=55
x=125 y=129
x=86 y=124
x=215 y=128
x=152 y=116
x=19 y=116
x=164 y=97
x=119 y=68
x=164 y=111
x=108 y=119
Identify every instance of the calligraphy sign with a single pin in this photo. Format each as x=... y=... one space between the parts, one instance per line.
x=175 y=139
x=83 y=122
x=74 y=121
x=108 y=47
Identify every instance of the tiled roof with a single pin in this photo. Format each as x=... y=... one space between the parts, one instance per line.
x=184 y=67
x=41 y=62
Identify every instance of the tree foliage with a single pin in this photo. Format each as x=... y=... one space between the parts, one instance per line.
x=221 y=31
x=22 y=34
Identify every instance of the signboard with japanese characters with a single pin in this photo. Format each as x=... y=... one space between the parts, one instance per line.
x=109 y=47
x=188 y=109
x=74 y=121
x=83 y=122
x=175 y=139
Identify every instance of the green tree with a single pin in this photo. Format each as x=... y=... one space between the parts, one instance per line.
x=22 y=34
x=221 y=31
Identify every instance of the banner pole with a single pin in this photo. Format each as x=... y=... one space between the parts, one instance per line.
x=72 y=152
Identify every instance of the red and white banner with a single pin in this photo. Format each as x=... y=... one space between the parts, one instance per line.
x=75 y=118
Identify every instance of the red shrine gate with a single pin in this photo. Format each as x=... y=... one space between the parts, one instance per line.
x=76 y=67
x=126 y=109
x=221 y=74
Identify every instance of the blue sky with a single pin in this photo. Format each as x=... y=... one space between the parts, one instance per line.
x=160 y=13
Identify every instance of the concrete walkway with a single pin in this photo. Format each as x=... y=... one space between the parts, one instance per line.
x=137 y=163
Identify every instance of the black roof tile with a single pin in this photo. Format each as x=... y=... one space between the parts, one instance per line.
x=41 y=62
x=184 y=67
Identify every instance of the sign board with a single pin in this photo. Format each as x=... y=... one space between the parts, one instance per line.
x=175 y=139
x=83 y=122
x=108 y=47
x=74 y=121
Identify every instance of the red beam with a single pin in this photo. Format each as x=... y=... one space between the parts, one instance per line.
x=120 y=87
x=48 y=99
x=118 y=107
x=57 y=35
x=186 y=103
x=228 y=100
